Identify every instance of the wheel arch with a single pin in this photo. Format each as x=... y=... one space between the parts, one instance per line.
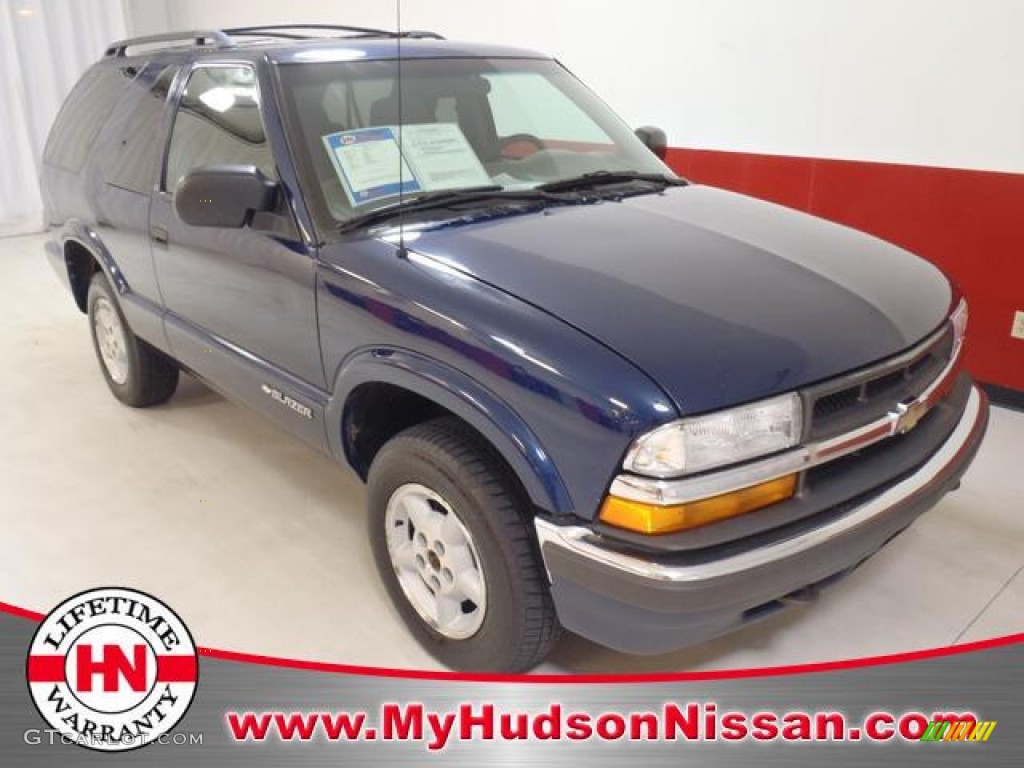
x=84 y=254
x=441 y=390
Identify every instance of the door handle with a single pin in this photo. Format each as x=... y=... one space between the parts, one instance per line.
x=158 y=235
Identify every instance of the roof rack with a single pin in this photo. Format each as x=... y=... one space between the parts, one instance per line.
x=273 y=30
x=200 y=37
x=276 y=30
x=224 y=38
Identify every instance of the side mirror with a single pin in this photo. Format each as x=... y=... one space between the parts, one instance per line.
x=223 y=195
x=654 y=139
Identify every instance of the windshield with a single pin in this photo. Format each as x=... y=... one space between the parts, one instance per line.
x=463 y=123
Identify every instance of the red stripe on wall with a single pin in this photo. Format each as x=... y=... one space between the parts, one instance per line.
x=969 y=223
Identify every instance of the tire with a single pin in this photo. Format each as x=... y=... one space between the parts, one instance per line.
x=427 y=474
x=138 y=374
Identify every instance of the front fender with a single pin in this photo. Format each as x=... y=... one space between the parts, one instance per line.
x=467 y=399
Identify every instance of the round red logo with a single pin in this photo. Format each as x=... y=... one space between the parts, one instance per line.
x=112 y=669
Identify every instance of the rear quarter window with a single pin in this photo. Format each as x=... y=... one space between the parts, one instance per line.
x=84 y=113
x=131 y=161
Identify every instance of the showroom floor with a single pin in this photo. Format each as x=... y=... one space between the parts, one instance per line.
x=259 y=542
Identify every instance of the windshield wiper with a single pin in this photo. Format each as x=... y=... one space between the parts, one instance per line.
x=440 y=199
x=599 y=178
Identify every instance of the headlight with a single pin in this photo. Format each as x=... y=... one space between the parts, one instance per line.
x=724 y=437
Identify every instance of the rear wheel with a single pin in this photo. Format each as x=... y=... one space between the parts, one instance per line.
x=453 y=541
x=138 y=374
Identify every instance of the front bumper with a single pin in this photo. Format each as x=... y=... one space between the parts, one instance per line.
x=636 y=603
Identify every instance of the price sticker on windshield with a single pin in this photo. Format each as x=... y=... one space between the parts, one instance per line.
x=370 y=165
x=374 y=163
x=441 y=157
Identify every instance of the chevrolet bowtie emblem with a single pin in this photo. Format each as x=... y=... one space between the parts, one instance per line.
x=908 y=416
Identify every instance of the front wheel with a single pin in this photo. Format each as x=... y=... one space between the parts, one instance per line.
x=452 y=539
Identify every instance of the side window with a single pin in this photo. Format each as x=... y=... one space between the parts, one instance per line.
x=133 y=158
x=218 y=123
x=84 y=113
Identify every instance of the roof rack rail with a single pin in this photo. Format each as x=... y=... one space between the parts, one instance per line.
x=278 y=30
x=420 y=34
x=200 y=37
x=275 y=30
x=224 y=38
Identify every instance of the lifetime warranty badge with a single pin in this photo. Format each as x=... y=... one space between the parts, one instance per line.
x=112 y=669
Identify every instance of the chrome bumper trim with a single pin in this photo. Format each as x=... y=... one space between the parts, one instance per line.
x=679 y=491
x=583 y=541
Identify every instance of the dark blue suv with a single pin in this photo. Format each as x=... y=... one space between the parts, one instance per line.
x=583 y=392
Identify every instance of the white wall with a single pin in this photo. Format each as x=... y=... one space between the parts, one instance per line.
x=930 y=82
x=45 y=45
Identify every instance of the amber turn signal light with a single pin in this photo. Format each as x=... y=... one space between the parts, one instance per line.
x=653 y=519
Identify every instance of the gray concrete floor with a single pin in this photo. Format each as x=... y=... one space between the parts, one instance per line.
x=259 y=542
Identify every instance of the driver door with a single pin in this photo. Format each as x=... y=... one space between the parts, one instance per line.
x=240 y=302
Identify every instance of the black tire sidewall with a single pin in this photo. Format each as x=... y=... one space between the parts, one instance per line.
x=129 y=392
x=495 y=645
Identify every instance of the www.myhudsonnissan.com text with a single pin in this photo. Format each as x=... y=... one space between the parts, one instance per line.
x=673 y=722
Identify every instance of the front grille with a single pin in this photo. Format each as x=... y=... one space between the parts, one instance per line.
x=836 y=468
x=862 y=397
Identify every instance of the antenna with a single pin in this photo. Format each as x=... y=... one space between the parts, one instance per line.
x=402 y=253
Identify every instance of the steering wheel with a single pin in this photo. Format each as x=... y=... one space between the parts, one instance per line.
x=509 y=149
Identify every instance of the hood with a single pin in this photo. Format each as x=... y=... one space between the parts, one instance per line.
x=720 y=298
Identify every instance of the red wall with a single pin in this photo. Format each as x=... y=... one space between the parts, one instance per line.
x=970 y=223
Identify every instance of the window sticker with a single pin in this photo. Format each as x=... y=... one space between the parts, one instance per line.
x=441 y=157
x=369 y=164
x=434 y=156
